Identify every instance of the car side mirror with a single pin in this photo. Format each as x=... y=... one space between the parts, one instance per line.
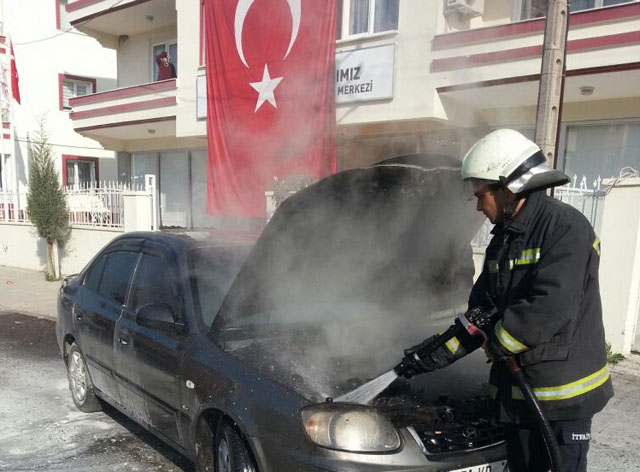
x=159 y=316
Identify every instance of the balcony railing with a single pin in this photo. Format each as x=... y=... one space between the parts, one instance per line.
x=147 y=103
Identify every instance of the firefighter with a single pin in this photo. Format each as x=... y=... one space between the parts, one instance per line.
x=540 y=276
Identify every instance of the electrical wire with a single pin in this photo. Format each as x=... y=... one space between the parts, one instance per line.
x=28 y=141
x=70 y=30
x=26 y=43
x=627 y=172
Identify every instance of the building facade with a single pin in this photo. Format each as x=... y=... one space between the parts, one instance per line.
x=55 y=62
x=411 y=76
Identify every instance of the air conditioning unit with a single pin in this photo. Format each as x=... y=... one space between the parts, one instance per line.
x=467 y=8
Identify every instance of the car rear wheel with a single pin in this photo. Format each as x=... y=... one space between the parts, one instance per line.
x=80 y=382
x=231 y=452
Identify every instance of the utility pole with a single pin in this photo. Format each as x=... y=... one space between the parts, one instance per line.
x=552 y=75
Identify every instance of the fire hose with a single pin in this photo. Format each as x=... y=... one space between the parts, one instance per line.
x=475 y=322
x=543 y=423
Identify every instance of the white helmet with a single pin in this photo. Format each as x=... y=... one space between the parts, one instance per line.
x=508 y=157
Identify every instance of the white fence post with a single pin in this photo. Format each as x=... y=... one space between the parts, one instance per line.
x=150 y=188
x=136 y=211
x=4 y=215
x=14 y=206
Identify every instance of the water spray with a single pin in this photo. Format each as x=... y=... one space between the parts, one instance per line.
x=367 y=392
x=476 y=322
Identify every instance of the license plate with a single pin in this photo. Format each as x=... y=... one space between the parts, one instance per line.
x=498 y=466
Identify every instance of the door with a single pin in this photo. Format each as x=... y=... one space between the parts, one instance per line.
x=149 y=359
x=96 y=312
x=200 y=217
x=174 y=190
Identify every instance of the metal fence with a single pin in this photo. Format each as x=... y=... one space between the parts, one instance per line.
x=98 y=206
x=587 y=199
x=94 y=206
x=13 y=207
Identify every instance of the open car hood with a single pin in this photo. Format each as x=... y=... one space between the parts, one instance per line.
x=352 y=270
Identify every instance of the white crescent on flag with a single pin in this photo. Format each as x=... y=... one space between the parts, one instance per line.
x=241 y=13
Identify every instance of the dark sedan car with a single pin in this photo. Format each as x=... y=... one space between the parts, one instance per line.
x=233 y=353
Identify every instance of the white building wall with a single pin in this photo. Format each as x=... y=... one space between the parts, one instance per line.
x=413 y=94
x=42 y=52
x=189 y=69
x=21 y=247
x=620 y=265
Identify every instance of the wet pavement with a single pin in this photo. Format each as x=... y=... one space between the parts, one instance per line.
x=40 y=428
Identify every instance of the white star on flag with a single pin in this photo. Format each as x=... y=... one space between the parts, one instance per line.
x=265 y=89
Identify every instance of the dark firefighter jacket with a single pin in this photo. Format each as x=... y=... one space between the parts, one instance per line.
x=541 y=272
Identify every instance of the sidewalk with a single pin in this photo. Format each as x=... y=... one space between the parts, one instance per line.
x=27 y=291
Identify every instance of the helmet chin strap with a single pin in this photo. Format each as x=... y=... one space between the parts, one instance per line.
x=506 y=209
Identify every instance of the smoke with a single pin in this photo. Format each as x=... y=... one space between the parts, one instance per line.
x=350 y=272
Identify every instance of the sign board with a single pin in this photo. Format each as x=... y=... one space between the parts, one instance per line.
x=365 y=74
x=201 y=97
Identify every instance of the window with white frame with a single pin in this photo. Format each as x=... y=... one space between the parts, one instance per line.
x=72 y=88
x=363 y=17
x=169 y=46
x=80 y=172
x=538 y=8
x=601 y=149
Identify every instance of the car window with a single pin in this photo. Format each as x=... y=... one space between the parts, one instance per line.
x=116 y=275
x=95 y=272
x=152 y=284
x=213 y=269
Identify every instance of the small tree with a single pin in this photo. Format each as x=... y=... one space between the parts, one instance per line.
x=46 y=201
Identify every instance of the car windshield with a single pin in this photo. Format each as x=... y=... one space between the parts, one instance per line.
x=349 y=273
x=212 y=271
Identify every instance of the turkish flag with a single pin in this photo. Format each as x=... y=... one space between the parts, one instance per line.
x=271 y=105
x=15 y=86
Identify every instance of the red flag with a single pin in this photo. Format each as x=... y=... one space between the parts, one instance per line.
x=271 y=105
x=15 y=86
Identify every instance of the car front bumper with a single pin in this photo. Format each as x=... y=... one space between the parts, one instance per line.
x=276 y=457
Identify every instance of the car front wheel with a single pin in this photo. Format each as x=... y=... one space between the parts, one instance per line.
x=232 y=454
x=80 y=382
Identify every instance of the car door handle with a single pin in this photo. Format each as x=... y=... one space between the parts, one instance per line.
x=123 y=340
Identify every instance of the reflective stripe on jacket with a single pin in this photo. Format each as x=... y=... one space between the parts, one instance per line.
x=541 y=271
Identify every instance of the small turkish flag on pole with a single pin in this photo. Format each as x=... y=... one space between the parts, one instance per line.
x=271 y=105
x=15 y=86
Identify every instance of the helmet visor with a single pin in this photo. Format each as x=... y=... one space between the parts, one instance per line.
x=518 y=184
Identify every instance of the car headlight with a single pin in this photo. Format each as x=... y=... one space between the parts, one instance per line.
x=349 y=427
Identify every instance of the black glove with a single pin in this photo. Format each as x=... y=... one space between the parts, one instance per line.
x=420 y=359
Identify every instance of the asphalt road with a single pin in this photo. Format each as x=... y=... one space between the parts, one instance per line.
x=40 y=428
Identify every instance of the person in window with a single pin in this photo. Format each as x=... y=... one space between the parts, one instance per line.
x=166 y=70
